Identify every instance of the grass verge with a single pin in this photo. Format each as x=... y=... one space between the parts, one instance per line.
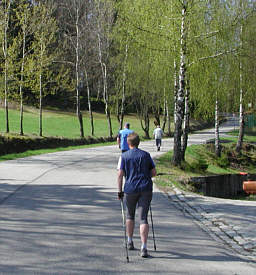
x=200 y=160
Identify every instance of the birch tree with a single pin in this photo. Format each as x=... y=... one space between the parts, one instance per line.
x=25 y=23
x=74 y=16
x=5 y=8
x=177 y=153
x=104 y=25
x=44 y=54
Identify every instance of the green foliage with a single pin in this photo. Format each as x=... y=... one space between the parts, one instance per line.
x=223 y=161
x=17 y=144
x=199 y=165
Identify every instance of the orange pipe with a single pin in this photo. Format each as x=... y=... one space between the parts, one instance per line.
x=249 y=187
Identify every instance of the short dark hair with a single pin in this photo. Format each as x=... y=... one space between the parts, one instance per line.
x=127 y=125
x=133 y=139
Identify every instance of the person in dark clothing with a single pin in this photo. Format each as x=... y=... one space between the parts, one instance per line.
x=138 y=169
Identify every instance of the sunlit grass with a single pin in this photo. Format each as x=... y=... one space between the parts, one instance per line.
x=61 y=124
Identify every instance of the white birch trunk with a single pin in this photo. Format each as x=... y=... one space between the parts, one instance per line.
x=41 y=94
x=186 y=121
x=177 y=152
x=168 y=120
x=89 y=103
x=123 y=88
x=5 y=52
x=105 y=88
x=217 y=132
x=165 y=111
x=40 y=107
x=241 y=110
x=176 y=87
x=241 y=115
x=22 y=77
x=78 y=110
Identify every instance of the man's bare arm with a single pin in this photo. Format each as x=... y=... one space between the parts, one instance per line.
x=120 y=180
x=153 y=172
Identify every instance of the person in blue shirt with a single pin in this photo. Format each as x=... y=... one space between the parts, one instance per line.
x=138 y=169
x=122 y=137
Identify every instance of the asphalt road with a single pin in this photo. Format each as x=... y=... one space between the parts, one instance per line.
x=59 y=215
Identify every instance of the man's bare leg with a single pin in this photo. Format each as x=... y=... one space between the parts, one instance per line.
x=130 y=230
x=144 y=228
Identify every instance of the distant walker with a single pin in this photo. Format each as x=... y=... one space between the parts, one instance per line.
x=158 y=134
x=122 y=137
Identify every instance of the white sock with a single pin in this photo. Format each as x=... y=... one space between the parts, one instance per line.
x=144 y=246
x=129 y=239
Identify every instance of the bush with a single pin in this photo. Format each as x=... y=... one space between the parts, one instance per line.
x=20 y=144
x=199 y=165
x=223 y=161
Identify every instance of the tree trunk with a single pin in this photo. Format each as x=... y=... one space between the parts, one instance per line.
x=89 y=103
x=241 y=111
x=21 y=111
x=5 y=51
x=186 y=122
x=78 y=110
x=123 y=89
x=168 y=120
x=6 y=96
x=241 y=116
x=176 y=88
x=165 y=111
x=105 y=88
x=40 y=107
x=177 y=153
x=145 y=127
x=21 y=83
x=217 y=134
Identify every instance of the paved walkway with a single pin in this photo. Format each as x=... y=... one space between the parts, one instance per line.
x=59 y=215
x=231 y=221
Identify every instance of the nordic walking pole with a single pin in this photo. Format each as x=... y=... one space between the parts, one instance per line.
x=152 y=227
x=124 y=225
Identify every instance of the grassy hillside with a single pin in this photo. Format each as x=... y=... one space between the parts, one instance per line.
x=60 y=124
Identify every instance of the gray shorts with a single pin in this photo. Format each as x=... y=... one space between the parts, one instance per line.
x=143 y=200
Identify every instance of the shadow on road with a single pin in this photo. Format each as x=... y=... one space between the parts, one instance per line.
x=77 y=229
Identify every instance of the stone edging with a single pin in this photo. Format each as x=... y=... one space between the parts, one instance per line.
x=215 y=226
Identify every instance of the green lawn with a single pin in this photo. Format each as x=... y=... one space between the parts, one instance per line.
x=60 y=124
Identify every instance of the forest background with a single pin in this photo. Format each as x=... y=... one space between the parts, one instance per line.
x=162 y=60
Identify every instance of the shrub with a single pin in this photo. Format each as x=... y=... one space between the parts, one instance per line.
x=223 y=161
x=199 y=165
x=19 y=144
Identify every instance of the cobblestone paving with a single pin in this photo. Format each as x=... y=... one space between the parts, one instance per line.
x=232 y=222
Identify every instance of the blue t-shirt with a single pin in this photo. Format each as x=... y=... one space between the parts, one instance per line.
x=123 y=134
x=137 y=165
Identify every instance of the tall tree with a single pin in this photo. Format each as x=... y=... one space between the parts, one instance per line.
x=44 y=53
x=180 y=100
x=104 y=26
x=24 y=12
x=5 y=9
x=73 y=19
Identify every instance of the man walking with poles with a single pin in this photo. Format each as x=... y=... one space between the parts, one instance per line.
x=138 y=168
